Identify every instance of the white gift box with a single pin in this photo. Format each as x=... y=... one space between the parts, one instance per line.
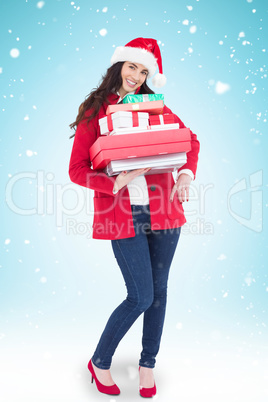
x=130 y=130
x=171 y=126
x=159 y=163
x=134 y=130
x=123 y=119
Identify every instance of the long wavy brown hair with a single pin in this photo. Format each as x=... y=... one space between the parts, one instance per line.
x=111 y=82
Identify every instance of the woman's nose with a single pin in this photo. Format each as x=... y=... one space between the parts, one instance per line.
x=136 y=75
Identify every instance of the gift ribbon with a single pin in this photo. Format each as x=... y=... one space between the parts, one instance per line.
x=135 y=119
x=145 y=98
x=161 y=119
x=135 y=106
x=110 y=122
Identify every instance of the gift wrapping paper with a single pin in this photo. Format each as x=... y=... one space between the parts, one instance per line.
x=143 y=98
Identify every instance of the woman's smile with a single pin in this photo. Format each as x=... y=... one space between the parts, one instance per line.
x=131 y=83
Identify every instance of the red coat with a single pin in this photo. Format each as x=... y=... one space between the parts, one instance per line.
x=112 y=212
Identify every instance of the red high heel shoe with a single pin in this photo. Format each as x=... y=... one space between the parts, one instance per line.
x=109 y=390
x=147 y=392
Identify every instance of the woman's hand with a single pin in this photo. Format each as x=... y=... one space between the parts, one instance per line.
x=181 y=187
x=125 y=177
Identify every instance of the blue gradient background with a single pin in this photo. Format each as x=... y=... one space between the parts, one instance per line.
x=58 y=285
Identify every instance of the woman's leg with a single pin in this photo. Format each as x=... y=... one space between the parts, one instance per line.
x=162 y=246
x=133 y=257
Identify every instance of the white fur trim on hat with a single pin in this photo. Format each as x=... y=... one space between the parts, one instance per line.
x=135 y=54
x=159 y=80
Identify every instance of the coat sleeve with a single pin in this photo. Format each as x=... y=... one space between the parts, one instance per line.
x=80 y=170
x=192 y=156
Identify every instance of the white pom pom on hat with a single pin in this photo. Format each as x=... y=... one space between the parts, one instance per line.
x=159 y=80
x=143 y=51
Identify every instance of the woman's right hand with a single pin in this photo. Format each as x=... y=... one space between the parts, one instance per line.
x=125 y=177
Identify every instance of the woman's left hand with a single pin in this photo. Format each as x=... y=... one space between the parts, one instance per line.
x=181 y=187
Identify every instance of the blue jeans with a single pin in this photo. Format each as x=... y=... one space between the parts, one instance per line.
x=144 y=261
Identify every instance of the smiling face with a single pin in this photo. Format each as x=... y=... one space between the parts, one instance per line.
x=133 y=76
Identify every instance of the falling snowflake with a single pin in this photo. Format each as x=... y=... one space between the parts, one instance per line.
x=248 y=279
x=193 y=29
x=179 y=325
x=221 y=257
x=103 y=32
x=40 y=4
x=14 y=53
x=221 y=87
x=132 y=372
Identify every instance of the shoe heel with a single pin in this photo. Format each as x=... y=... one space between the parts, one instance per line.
x=109 y=390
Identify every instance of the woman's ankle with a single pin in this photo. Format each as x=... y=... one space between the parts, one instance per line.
x=146 y=377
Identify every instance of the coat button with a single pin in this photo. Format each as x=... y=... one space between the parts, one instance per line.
x=153 y=188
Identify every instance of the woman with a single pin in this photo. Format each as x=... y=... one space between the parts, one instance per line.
x=141 y=215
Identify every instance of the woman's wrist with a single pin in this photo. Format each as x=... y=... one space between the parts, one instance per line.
x=117 y=187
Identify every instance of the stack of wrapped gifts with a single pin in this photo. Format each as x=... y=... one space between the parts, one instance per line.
x=136 y=134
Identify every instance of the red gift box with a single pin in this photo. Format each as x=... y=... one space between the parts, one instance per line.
x=153 y=107
x=122 y=120
x=149 y=142
x=167 y=118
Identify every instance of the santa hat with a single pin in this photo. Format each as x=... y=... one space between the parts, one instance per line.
x=143 y=51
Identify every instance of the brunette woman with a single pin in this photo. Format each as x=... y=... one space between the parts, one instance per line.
x=140 y=214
